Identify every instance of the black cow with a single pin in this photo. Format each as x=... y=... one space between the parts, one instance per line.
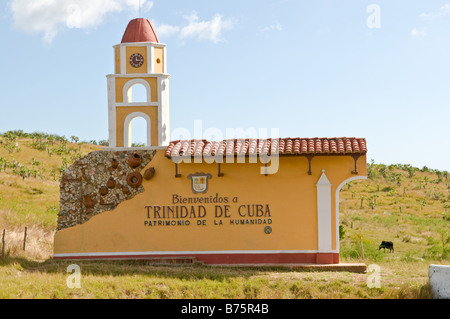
x=387 y=244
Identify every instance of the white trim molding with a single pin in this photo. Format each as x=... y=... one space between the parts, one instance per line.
x=150 y=59
x=123 y=60
x=140 y=75
x=127 y=128
x=133 y=148
x=165 y=60
x=353 y=178
x=129 y=85
x=137 y=104
x=182 y=252
x=324 y=213
x=111 y=110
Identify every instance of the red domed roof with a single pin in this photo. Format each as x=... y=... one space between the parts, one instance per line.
x=140 y=30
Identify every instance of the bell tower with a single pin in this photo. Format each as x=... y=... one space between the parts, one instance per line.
x=140 y=60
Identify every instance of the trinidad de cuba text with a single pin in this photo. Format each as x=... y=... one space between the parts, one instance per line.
x=185 y=211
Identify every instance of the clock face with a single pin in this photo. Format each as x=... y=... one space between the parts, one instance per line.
x=136 y=60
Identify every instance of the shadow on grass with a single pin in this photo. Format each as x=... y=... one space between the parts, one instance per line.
x=145 y=268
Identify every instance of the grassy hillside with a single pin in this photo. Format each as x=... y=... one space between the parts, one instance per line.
x=30 y=168
x=31 y=165
x=398 y=203
x=406 y=205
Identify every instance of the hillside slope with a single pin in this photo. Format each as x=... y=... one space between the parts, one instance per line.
x=31 y=165
x=398 y=203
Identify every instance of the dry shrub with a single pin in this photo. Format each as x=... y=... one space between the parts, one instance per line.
x=410 y=292
x=38 y=245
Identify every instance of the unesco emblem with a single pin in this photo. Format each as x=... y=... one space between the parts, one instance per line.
x=267 y=229
x=199 y=182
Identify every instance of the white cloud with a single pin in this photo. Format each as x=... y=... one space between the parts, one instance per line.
x=166 y=30
x=442 y=12
x=210 y=30
x=429 y=19
x=418 y=34
x=273 y=27
x=48 y=17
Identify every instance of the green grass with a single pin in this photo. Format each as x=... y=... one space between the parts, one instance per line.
x=30 y=196
x=137 y=279
x=38 y=203
x=410 y=212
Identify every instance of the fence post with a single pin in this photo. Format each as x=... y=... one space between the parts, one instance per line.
x=362 y=248
x=25 y=238
x=3 y=244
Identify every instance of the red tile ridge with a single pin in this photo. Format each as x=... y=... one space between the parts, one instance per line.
x=254 y=146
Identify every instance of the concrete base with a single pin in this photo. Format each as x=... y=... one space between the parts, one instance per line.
x=217 y=258
x=440 y=281
x=357 y=268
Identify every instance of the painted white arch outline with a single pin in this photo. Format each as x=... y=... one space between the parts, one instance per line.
x=127 y=128
x=353 y=178
x=127 y=91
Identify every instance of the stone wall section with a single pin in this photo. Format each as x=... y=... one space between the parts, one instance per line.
x=100 y=181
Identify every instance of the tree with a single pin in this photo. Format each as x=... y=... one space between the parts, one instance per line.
x=383 y=170
x=51 y=139
x=446 y=206
x=445 y=175
x=74 y=139
x=371 y=200
x=423 y=203
x=411 y=171
x=35 y=162
x=3 y=164
x=370 y=169
x=439 y=176
x=375 y=196
x=103 y=143
x=398 y=179
x=23 y=171
x=425 y=169
x=341 y=232
x=62 y=139
x=426 y=179
x=420 y=184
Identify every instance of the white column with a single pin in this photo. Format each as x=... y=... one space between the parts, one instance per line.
x=111 y=82
x=165 y=60
x=150 y=59
x=127 y=128
x=324 y=213
x=123 y=59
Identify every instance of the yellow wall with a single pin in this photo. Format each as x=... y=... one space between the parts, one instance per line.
x=117 y=60
x=159 y=56
x=123 y=111
x=141 y=50
x=121 y=81
x=290 y=193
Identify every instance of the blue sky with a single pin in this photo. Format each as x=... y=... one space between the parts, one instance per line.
x=321 y=68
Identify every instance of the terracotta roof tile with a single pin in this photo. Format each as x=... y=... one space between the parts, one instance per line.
x=140 y=30
x=283 y=146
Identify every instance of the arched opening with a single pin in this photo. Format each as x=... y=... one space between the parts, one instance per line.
x=137 y=93
x=137 y=130
x=337 y=205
